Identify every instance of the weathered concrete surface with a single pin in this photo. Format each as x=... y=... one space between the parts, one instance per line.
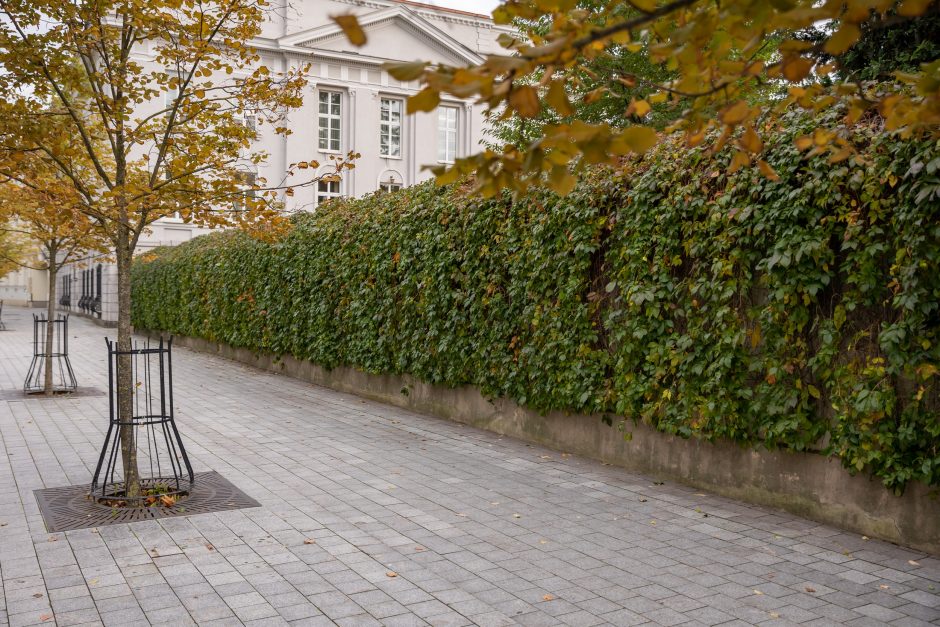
x=806 y=484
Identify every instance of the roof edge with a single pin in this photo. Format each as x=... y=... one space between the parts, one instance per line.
x=434 y=7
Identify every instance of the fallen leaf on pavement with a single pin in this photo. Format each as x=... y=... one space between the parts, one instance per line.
x=309 y=541
x=391 y=573
x=913 y=563
x=548 y=597
x=45 y=617
x=808 y=589
x=758 y=592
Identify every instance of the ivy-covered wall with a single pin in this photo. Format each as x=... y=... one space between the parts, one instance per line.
x=799 y=313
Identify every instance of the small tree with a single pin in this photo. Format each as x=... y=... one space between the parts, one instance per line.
x=39 y=206
x=137 y=143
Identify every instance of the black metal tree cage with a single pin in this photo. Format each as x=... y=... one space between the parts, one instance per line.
x=163 y=466
x=63 y=377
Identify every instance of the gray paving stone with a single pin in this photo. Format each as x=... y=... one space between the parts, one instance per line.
x=352 y=490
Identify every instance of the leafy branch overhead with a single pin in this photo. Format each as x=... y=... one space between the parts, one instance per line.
x=716 y=55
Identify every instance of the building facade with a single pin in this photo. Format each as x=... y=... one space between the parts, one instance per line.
x=350 y=104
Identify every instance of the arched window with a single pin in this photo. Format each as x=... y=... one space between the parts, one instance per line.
x=390 y=181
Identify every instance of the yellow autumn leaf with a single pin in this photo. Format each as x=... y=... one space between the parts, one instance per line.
x=750 y=141
x=558 y=98
x=734 y=113
x=525 y=100
x=843 y=39
x=425 y=100
x=738 y=161
x=804 y=142
x=796 y=68
x=636 y=139
x=640 y=107
x=767 y=170
x=405 y=71
x=351 y=28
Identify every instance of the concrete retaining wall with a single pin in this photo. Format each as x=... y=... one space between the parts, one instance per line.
x=806 y=484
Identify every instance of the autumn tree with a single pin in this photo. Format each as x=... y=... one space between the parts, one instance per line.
x=716 y=54
x=40 y=207
x=140 y=140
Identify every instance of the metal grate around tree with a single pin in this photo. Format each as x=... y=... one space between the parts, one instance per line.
x=63 y=377
x=165 y=471
x=72 y=507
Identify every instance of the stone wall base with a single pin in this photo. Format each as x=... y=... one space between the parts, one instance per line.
x=806 y=484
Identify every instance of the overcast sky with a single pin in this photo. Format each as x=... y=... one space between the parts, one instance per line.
x=476 y=6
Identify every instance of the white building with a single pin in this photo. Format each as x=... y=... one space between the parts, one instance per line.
x=350 y=104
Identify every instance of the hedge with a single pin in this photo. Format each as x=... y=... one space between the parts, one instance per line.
x=799 y=313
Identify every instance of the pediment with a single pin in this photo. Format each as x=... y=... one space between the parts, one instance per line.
x=394 y=34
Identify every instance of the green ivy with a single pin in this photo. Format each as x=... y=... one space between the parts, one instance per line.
x=799 y=313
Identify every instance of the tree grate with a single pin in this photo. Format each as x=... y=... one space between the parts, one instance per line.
x=20 y=395
x=70 y=507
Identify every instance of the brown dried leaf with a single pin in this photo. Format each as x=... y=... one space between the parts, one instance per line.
x=350 y=25
x=391 y=573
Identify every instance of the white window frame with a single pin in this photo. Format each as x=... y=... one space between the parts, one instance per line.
x=329 y=121
x=445 y=131
x=386 y=127
x=322 y=195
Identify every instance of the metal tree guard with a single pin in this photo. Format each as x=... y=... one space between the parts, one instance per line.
x=63 y=377
x=155 y=436
x=3 y=327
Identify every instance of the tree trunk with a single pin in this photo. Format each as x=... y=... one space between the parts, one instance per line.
x=47 y=386
x=125 y=382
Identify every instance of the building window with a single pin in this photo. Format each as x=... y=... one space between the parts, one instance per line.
x=331 y=103
x=327 y=190
x=248 y=179
x=447 y=134
x=390 y=181
x=390 y=128
x=249 y=121
x=172 y=92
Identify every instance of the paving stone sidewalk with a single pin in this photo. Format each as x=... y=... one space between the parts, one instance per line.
x=475 y=528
